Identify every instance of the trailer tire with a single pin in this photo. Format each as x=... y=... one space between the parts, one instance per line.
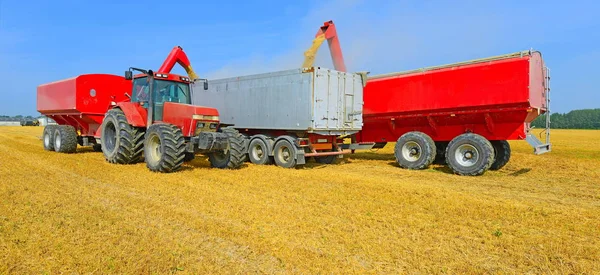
x=65 y=139
x=284 y=154
x=469 y=154
x=235 y=155
x=501 y=152
x=326 y=159
x=48 y=137
x=258 y=152
x=121 y=142
x=414 y=150
x=440 y=152
x=164 y=148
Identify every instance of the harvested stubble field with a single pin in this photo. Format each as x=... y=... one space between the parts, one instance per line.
x=77 y=213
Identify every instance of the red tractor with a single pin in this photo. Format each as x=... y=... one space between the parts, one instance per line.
x=148 y=117
x=160 y=122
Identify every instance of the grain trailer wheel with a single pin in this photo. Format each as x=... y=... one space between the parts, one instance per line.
x=65 y=139
x=440 y=152
x=501 y=152
x=258 y=152
x=284 y=154
x=415 y=150
x=97 y=147
x=234 y=156
x=121 y=142
x=48 y=137
x=469 y=154
x=326 y=159
x=164 y=148
x=189 y=157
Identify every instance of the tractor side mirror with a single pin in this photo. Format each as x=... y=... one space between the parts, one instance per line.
x=128 y=75
x=206 y=85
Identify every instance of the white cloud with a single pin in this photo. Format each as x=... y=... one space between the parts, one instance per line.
x=393 y=37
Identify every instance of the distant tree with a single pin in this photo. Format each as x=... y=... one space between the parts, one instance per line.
x=576 y=119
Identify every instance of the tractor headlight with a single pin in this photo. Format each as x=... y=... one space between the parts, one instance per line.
x=203 y=117
x=199 y=125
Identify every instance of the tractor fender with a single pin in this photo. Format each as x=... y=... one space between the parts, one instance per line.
x=136 y=115
x=298 y=152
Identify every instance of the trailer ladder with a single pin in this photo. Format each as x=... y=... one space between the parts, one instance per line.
x=539 y=147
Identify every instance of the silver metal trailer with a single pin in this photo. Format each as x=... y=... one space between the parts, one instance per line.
x=288 y=115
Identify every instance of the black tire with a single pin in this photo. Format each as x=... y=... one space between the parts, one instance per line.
x=97 y=147
x=65 y=139
x=284 y=154
x=48 y=137
x=327 y=159
x=414 y=150
x=440 y=152
x=164 y=148
x=234 y=156
x=258 y=152
x=501 y=152
x=121 y=142
x=469 y=155
x=189 y=157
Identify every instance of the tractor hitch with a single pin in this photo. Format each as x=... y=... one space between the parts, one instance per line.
x=209 y=141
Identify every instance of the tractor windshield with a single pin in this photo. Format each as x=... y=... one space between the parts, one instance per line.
x=164 y=91
x=171 y=91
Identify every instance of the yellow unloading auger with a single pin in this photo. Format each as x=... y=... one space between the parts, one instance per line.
x=329 y=33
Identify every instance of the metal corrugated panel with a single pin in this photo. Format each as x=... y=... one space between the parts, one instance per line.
x=313 y=99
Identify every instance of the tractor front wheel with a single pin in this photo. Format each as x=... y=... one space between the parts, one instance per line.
x=234 y=156
x=164 y=148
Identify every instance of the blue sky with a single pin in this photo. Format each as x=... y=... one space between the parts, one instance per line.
x=44 y=41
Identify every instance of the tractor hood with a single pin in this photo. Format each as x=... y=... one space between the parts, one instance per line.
x=186 y=115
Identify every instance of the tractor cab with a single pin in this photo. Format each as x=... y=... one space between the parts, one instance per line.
x=167 y=98
x=153 y=91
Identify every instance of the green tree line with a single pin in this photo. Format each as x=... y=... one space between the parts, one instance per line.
x=576 y=119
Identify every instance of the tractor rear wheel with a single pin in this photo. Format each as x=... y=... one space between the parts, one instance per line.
x=415 y=150
x=65 y=139
x=121 y=142
x=48 y=137
x=258 y=152
x=234 y=156
x=502 y=154
x=469 y=154
x=164 y=148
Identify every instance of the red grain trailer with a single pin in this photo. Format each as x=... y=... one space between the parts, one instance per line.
x=82 y=102
x=461 y=113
